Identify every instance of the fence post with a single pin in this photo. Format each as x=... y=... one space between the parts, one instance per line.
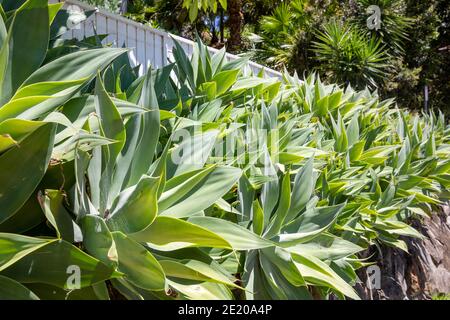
x=426 y=98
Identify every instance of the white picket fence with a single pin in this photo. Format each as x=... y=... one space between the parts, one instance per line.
x=149 y=46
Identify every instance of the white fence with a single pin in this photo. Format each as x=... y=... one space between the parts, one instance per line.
x=149 y=46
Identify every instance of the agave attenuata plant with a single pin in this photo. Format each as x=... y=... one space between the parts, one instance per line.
x=198 y=180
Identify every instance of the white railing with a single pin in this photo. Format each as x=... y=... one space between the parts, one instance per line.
x=149 y=46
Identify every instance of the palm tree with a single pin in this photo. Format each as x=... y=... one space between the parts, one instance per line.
x=347 y=55
x=235 y=21
x=394 y=24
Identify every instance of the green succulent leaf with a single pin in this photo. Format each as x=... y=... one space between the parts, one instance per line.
x=28 y=46
x=60 y=264
x=167 y=233
x=52 y=203
x=238 y=237
x=136 y=207
x=138 y=264
x=13 y=290
x=98 y=240
x=23 y=167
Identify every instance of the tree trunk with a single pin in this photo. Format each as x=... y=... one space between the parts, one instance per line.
x=419 y=274
x=214 y=38
x=123 y=6
x=222 y=26
x=235 y=21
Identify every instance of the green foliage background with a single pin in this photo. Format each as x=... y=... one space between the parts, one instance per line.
x=414 y=40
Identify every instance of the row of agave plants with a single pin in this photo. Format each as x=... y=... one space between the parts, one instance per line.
x=119 y=186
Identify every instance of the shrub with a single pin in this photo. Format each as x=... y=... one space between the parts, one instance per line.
x=102 y=199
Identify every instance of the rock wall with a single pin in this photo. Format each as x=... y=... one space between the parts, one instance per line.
x=419 y=274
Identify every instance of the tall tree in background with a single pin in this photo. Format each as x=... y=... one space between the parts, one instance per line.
x=235 y=22
x=124 y=6
x=253 y=10
x=286 y=35
x=409 y=51
x=194 y=6
x=346 y=55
